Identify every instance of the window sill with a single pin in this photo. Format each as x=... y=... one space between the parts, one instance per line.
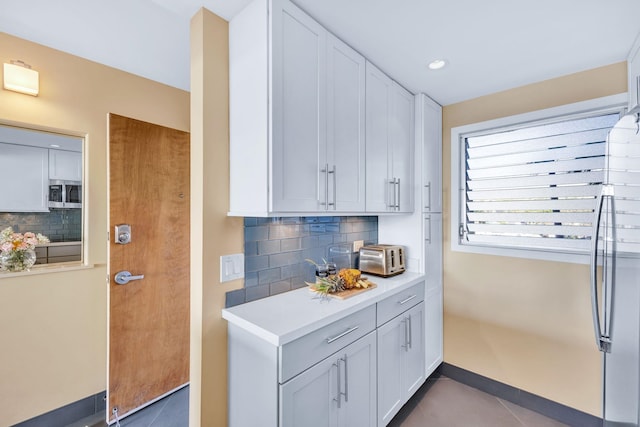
x=60 y=267
x=543 y=255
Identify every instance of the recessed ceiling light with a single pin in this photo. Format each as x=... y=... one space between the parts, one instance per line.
x=54 y=145
x=437 y=64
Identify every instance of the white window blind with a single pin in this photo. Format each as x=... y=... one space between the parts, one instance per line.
x=534 y=187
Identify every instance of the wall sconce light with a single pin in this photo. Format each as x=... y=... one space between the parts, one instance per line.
x=19 y=77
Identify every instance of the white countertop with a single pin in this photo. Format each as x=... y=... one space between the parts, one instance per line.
x=282 y=318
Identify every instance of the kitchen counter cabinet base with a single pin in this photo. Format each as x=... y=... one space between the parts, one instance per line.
x=252 y=379
x=281 y=344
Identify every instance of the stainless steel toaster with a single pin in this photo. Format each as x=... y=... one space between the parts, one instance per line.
x=382 y=260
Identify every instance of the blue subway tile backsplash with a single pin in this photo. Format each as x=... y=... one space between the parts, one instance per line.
x=276 y=250
x=59 y=225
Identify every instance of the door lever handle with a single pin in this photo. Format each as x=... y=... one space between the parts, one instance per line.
x=124 y=277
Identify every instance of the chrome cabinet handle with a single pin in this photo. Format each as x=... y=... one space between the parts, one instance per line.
x=406 y=300
x=124 y=277
x=392 y=205
x=405 y=323
x=338 y=396
x=326 y=186
x=346 y=379
x=398 y=200
x=337 y=337
x=410 y=332
x=427 y=196
x=335 y=194
x=332 y=171
x=427 y=219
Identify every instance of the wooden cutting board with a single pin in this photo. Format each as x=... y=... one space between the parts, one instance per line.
x=348 y=293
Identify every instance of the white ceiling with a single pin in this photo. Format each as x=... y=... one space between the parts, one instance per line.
x=490 y=45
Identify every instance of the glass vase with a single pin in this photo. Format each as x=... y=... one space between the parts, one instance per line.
x=20 y=260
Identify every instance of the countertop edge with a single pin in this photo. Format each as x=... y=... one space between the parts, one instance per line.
x=251 y=323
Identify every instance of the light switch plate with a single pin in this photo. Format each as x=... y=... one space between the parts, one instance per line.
x=357 y=244
x=231 y=267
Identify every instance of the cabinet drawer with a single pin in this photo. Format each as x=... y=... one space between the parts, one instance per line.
x=306 y=351
x=400 y=302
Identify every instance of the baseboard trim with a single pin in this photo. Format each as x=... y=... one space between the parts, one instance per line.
x=68 y=414
x=546 y=407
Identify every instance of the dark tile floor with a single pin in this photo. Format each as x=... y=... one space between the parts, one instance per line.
x=441 y=402
x=171 y=411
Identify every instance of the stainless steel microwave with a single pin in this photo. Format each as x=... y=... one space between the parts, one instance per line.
x=65 y=194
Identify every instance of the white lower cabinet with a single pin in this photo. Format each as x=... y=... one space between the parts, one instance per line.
x=400 y=361
x=433 y=329
x=297 y=361
x=338 y=391
x=433 y=298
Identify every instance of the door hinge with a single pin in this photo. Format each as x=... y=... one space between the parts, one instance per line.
x=108 y=278
x=461 y=230
x=108 y=236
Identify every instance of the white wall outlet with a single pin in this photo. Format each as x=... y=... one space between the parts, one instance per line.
x=231 y=267
x=357 y=244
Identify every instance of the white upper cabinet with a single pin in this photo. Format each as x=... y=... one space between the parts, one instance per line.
x=429 y=132
x=65 y=165
x=390 y=144
x=345 y=148
x=28 y=189
x=296 y=115
x=633 y=72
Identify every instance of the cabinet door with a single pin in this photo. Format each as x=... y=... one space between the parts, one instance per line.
x=433 y=299
x=431 y=135
x=298 y=69
x=345 y=128
x=310 y=399
x=339 y=391
x=633 y=74
x=413 y=366
x=391 y=341
x=28 y=189
x=65 y=165
x=378 y=102
x=402 y=142
x=433 y=330
x=433 y=250
x=358 y=406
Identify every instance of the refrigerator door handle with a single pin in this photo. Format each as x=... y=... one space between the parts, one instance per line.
x=601 y=341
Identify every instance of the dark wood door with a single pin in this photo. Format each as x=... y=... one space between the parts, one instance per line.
x=148 y=317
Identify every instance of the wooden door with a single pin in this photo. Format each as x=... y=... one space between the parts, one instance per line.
x=148 y=318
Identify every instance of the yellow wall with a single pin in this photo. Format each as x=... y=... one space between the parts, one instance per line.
x=525 y=323
x=212 y=233
x=53 y=326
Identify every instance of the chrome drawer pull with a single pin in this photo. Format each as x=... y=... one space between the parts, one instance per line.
x=346 y=380
x=337 y=337
x=404 y=301
x=337 y=399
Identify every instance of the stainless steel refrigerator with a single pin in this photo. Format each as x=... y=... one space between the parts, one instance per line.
x=615 y=271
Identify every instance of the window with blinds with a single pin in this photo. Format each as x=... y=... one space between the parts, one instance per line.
x=534 y=187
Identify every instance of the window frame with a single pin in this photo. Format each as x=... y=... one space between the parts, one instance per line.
x=604 y=105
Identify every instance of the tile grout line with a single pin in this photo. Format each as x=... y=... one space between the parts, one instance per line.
x=511 y=412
